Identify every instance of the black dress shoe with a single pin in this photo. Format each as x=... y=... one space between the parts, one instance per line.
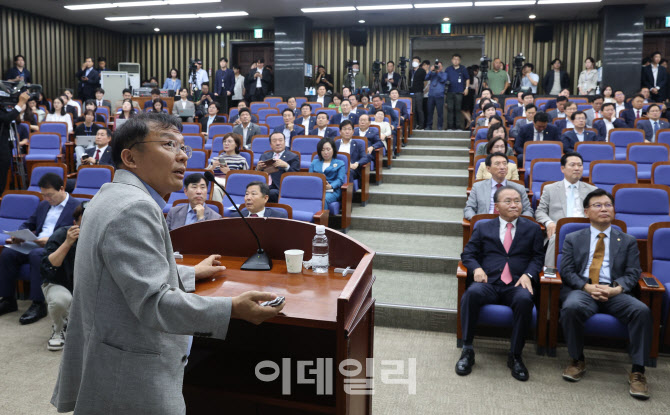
x=465 y=363
x=7 y=305
x=519 y=371
x=34 y=313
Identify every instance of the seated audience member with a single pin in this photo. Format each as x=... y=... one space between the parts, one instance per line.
x=520 y=111
x=322 y=129
x=608 y=94
x=531 y=110
x=488 y=111
x=206 y=99
x=57 y=270
x=578 y=132
x=357 y=154
x=306 y=119
x=321 y=96
x=519 y=104
x=488 y=94
x=345 y=114
x=289 y=129
x=88 y=127
x=365 y=103
x=497 y=145
x=384 y=127
x=100 y=100
x=481 y=196
x=277 y=162
x=236 y=119
x=183 y=105
x=502 y=274
x=561 y=123
x=195 y=189
x=101 y=153
x=608 y=122
x=292 y=104
x=636 y=112
x=378 y=104
x=562 y=199
x=355 y=109
x=653 y=124
x=255 y=199
x=30 y=117
x=620 y=103
x=38 y=112
x=559 y=111
x=229 y=158
x=372 y=134
x=59 y=114
x=172 y=81
x=600 y=267
x=335 y=102
x=346 y=93
x=53 y=212
x=402 y=107
x=497 y=130
x=540 y=130
x=155 y=95
x=333 y=168
x=552 y=104
x=71 y=102
x=157 y=106
x=127 y=110
x=246 y=129
x=70 y=109
x=90 y=105
x=212 y=117
x=595 y=111
x=127 y=94
x=644 y=91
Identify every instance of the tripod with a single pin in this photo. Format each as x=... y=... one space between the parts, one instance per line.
x=516 y=82
x=18 y=168
x=402 y=85
x=485 y=78
x=376 y=83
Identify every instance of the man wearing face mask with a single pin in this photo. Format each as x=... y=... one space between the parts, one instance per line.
x=417 y=75
x=360 y=79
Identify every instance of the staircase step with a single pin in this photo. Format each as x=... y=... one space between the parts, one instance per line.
x=405 y=175
x=415 y=288
x=410 y=151
x=441 y=134
x=411 y=244
x=416 y=318
x=424 y=227
x=401 y=212
x=416 y=263
x=432 y=162
x=418 y=195
x=433 y=142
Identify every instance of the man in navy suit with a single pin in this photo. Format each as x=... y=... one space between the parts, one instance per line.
x=540 y=130
x=101 y=153
x=607 y=122
x=377 y=104
x=255 y=198
x=277 y=162
x=155 y=94
x=88 y=79
x=289 y=129
x=504 y=257
x=346 y=114
x=527 y=99
x=54 y=212
x=653 y=124
x=552 y=104
x=636 y=112
x=358 y=156
x=372 y=134
x=322 y=128
x=224 y=82
x=402 y=107
x=390 y=79
x=306 y=114
x=655 y=77
x=578 y=134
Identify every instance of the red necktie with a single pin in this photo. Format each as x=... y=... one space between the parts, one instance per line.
x=506 y=276
x=97 y=154
x=253 y=215
x=637 y=114
x=495 y=209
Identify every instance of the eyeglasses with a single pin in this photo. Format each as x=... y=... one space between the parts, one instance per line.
x=170 y=145
x=600 y=205
x=511 y=202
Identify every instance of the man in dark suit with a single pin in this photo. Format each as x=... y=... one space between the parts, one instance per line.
x=607 y=122
x=358 y=156
x=377 y=104
x=552 y=104
x=549 y=83
x=416 y=78
x=322 y=128
x=224 y=82
x=636 y=112
x=100 y=100
x=290 y=129
x=372 y=134
x=402 y=107
x=505 y=258
x=211 y=117
x=196 y=210
x=278 y=161
x=88 y=79
x=600 y=267
x=559 y=110
x=653 y=124
x=246 y=128
x=306 y=114
x=346 y=114
x=155 y=94
x=520 y=111
x=259 y=81
x=540 y=130
x=578 y=134
x=235 y=119
x=54 y=212
x=390 y=79
x=101 y=153
x=255 y=199
x=655 y=77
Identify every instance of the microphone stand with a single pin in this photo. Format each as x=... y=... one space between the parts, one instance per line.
x=260 y=261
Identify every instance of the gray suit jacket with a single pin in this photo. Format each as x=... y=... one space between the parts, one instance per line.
x=624 y=260
x=552 y=206
x=253 y=130
x=130 y=318
x=590 y=116
x=176 y=217
x=189 y=105
x=479 y=200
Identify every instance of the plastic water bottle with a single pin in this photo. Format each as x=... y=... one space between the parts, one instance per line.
x=306 y=90
x=320 y=251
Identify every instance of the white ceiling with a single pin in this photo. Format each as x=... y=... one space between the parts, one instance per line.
x=262 y=12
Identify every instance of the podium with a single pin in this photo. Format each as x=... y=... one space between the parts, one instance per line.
x=291 y=363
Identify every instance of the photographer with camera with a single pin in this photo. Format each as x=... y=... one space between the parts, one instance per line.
x=323 y=78
x=530 y=80
x=391 y=79
x=458 y=85
x=6 y=120
x=197 y=75
x=438 y=80
x=417 y=76
x=354 y=79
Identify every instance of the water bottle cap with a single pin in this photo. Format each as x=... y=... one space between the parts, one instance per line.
x=320 y=229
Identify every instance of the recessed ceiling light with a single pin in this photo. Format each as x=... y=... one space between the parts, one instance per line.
x=156 y=29
x=385 y=7
x=498 y=17
x=361 y=21
x=219 y=27
x=532 y=16
x=328 y=9
x=143 y=3
x=440 y=5
x=446 y=19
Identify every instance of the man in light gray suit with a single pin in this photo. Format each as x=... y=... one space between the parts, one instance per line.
x=130 y=317
x=195 y=189
x=531 y=110
x=595 y=111
x=481 y=196
x=600 y=267
x=246 y=128
x=561 y=200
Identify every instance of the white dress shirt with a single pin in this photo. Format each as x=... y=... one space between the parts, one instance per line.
x=259 y=84
x=493 y=192
x=260 y=214
x=577 y=210
x=305 y=123
x=605 y=270
x=654 y=72
x=321 y=132
x=200 y=77
x=52 y=218
x=321 y=100
x=345 y=147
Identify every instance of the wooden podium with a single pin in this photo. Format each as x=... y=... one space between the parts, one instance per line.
x=327 y=319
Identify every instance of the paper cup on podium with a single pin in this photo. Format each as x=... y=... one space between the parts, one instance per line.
x=294 y=260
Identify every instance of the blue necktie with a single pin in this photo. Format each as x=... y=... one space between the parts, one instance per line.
x=653 y=136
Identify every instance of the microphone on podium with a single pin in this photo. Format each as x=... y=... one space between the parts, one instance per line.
x=260 y=261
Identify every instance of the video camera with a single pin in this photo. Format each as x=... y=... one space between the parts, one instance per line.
x=484 y=62
x=377 y=66
x=402 y=62
x=518 y=61
x=10 y=91
x=350 y=63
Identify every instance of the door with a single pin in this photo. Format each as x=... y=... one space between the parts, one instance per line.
x=244 y=54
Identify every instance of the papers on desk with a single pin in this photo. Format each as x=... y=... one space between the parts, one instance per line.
x=240 y=206
x=23 y=234
x=26 y=246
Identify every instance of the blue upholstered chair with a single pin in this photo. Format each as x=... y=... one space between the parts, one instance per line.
x=539 y=150
x=663 y=136
x=233 y=113
x=15 y=208
x=274 y=121
x=264 y=112
x=592 y=151
x=646 y=154
x=660 y=173
x=198 y=160
x=55 y=127
x=191 y=128
x=254 y=107
x=607 y=173
x=259 y=145
x=305 y=193
x=543 y=170
x=217 y=129
x=273 y=101
x=621 y=137
x=44 y=147
x=658 y=252
x=640 y=205
x=41 y=169
x=305 y=145
x=195 y=141
x=91 y=178
x=236 y=186
x=329 y=111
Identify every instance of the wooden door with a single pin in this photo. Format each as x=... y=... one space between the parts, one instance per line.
x=245 y=54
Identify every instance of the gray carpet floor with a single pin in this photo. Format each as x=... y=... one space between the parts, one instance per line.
x=29 y=372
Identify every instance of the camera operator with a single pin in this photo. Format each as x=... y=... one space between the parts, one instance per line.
x=6 y=119
x=200 y=76
x=323 y=78
x=530 y=79
x=437 y=79
x=392 y=78
x=417 y=76
x=360 y=79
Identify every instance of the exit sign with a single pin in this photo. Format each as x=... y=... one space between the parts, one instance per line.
x=258 y=33
x=446 y=28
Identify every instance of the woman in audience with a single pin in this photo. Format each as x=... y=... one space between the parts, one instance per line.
x=59 y=114
x=384 y=127
x=157 y=106
x=334 y=170
x=489 y=111
x=31 y=115
x=365 y=102
x=41 y=100
x=588 y=79
x=88 y=127
x=230 y=158
x=562 y=123
x=127 y=110
x=497 y=130
x=498 y=145
x=91 y=105
x=335 y=103
x=608 y=95
x=173 y=82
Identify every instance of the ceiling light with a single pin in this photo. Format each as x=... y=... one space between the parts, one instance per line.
x=219 y=27
x=140 y=3
x=328 y=9
x=506 y=3
x=124 y=18
x=361 y=21
x=446 y=19
x=223 y=14
x=439 y=5
x=175 y=16
x=90 y=6
x=532 y=16
x=385 y=7
x=136 y=4
x=567 y=1
x=192 y=1
x=156 y=29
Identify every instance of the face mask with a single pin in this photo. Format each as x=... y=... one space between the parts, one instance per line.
x=415 y=64
x=355 y=70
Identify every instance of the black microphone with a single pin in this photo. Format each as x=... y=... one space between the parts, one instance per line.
x=260 y=261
